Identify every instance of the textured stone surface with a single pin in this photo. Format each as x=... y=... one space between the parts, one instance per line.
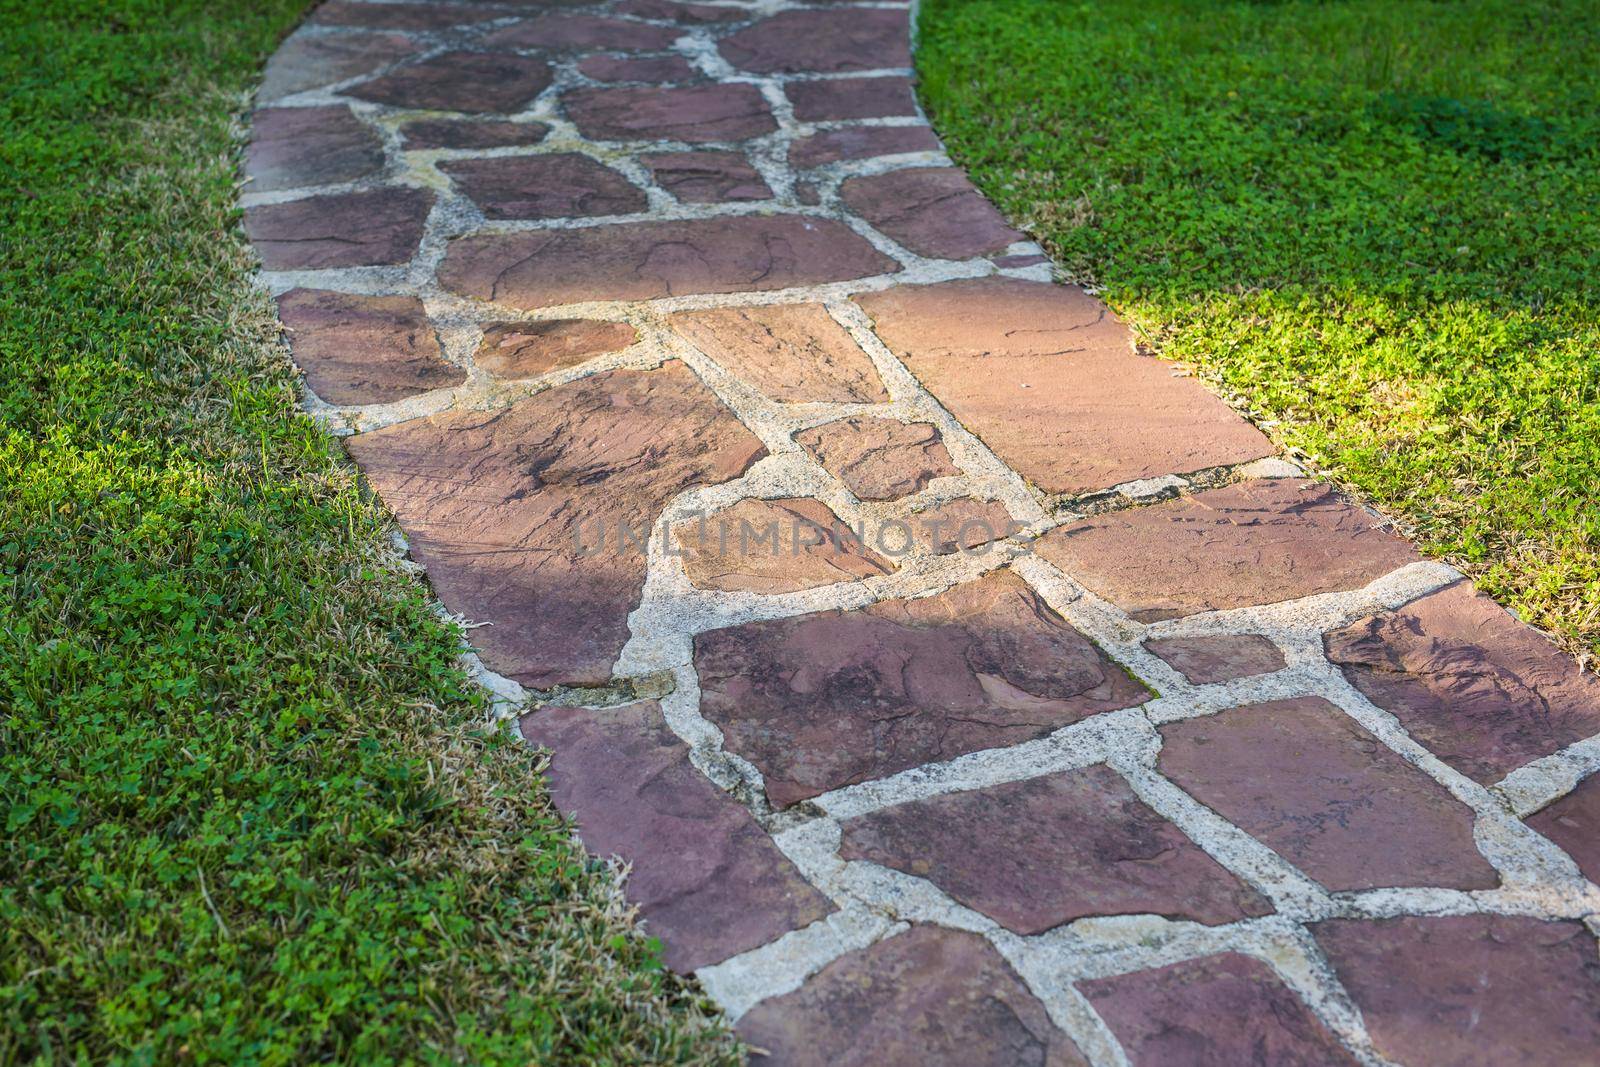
x=692 y=113
x=794 y=353
x=505 y=508
x=824 y=700
x=1046 y=376
x=1037 y=853
x=401 y=16
x=851 y=98
x=1327 y=796
x=295 y=146
x=470 y=133
x=1256 y=542
x=1471 y=990
x=930 y=996
x=707 y=177
x=821 y=42
x=879 y=459
x=1217 y=1011
x=688 y=14
x=364 y=349
x=1573 y=822
x=961 y=525
x=645 y=260
x=1482 y=691
x=310 y=61
x=933 y=211
x=774 y=546
x=637 y=69
x=547 y=186
x=860 y=142
x=374 y=228
x=529 y=349
x=706 y=878
x=473 y=82
x=1218 y=658
x=582 y=33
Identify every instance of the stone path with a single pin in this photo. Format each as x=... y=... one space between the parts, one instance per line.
x=961 y=685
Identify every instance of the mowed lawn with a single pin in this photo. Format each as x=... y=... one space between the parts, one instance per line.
x=251 y=812
x=1372 y=224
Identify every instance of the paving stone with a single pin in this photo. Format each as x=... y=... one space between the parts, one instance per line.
x=473 y=82
x=824 y=700
x=529 y=349
x=374 y=228
x=1218 y=658
x=774 y=546
x=546 y=186
x=807 y=193
x=1038 y=853
x=1327 y=796
x=933 y=211
x=961 y=525
x=689 y=14
x=691 y=113
x=505 y=509
x=1216 y=1011
x=879 y=459
x=1573 y=822
x=794 y=353
x=582 y=33
x=647 y=260
x=821 y=42
x=1046 y=376
x=1254 y=542
x=295 y=146
x=1480 y=690
x=706 y=878
x=860 y=142
x=386 y=16
x=930 y=996
x=851 y=98
x=707 y=177
x=364 y=349
x=470 y=134
x=1010 y=262
x=637 y=69
x=311 y=61
x=1471 y=990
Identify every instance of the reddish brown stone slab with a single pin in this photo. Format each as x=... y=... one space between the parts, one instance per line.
x=546 y=186
x=774 y=546
x=470 y=133
x=1480 y=690
x=879 y=459
x=364 y=349
x=1216 y=1011
x=930 y=996
x=1035 y=854
x=825 y=700
x=961 y=525
x=647 y=260
x=1046 y=376
x=311 y=61
x=400 y=16
x=295 y=146
x=474 y=82
x=860 y=142
x=1471 y=990
x=688 y=14
x=1573 y=822
x=794 y=353
x=707 y=177
x=851 y=98
x=933 y=211
x=343 y=230
x=1256 y=542
x=529 y=349
x=706 y=878
x=822 y=42
x=654 y=69
x=1218 y=658
x=506 y=509
x=691 y=113
x=582 y=33
x=1326 y=795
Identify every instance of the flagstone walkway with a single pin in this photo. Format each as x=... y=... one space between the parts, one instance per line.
x=962 y=685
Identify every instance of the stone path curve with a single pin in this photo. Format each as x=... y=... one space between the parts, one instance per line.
x=961 y=685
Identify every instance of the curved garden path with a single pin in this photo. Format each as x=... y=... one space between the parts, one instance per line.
x=1109 y=739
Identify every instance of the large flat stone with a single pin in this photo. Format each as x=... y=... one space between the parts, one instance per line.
x=774 y=546
x=584 y=33
x=295 y=146
x=933 y=211
x=879 y=459
x=822 y=42
x=1327 y=796
x=474 y=82
x=707 y=177
x=1255 y=542
x=470 y=133
x=1216 y=1011
x=829 y=699
x=364 y=349
x=1047 y=377
x=647 y=260
x=794 y=353
x=691 y=113
x=401 y=16
x=376 y=228
x=706 y=878
x=547 y=186
x=1206 y=659
x=1482 y=691
x=964 y=524
x=687 y=14
x=311 y=61
x=529 y=349
x=1573 y=822
x=831 y=99
x=505 y=509
x=1034 y=854
x=930 y=996
x=1471 y=990
x=653 y=69
x=860 y=142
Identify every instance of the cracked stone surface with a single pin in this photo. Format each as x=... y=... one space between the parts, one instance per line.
x=1171 y=756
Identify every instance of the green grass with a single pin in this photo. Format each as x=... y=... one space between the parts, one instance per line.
x=1373 y=224
x=251 y=812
